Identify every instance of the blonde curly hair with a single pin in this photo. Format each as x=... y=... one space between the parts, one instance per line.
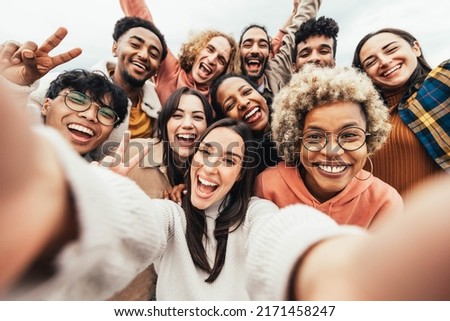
x=190 y=50
x=314 y=86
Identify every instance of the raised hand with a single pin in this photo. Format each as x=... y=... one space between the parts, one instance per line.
x=176 y=194
x=25 y=63
x=120 y=162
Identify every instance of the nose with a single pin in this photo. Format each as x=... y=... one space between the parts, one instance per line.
x=142 y=53
x=254 y=48
x=332 y=147
x=211 y=163
x=211 y=58
x=385 y=60
x=90 y=113
x=187 y=122
x=243 y=103
x=314 y=58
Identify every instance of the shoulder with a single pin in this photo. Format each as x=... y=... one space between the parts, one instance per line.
x=382 y=190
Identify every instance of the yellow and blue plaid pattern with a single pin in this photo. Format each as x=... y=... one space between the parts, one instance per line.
x=427 y=113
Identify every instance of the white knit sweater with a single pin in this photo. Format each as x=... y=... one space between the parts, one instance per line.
x=122 y=231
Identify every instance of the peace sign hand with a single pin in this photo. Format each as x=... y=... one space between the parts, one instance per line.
x=25 y=63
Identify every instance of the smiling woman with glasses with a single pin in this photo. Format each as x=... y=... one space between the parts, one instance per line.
x=326 y=123
x=349 y=139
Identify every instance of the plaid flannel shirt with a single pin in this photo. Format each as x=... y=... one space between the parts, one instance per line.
x=427 y=113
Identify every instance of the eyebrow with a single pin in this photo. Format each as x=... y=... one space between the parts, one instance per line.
x=208 y=145
x=346 y=125
x=141 y=40
x=239 y=89
x=183 y=110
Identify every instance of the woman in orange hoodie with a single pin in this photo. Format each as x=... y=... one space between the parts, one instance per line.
x=326 y=123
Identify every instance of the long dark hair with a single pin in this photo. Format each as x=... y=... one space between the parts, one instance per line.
x=232 y=209
x=422 y=70
x=175 y=172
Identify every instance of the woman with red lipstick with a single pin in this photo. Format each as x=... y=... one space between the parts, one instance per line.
x=418 y=101
x=326 y=123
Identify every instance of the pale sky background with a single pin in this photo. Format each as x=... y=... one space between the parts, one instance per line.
x=90 y=22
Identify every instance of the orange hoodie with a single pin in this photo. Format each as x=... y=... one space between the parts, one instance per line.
x=362 y=203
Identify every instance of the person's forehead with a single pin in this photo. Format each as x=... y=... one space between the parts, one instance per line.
x=254 y=33
x=142 y=33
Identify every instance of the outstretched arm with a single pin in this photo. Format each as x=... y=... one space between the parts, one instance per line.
x=136 y=8
x=277 y=40
x=34 y=204
x=25 y=63
x=408 y=258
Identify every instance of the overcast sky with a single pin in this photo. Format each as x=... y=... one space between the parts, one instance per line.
x=90 y=22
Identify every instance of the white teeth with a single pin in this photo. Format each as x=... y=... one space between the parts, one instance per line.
x=81 y=129
x=186 y=136
x=205 y=182
x=251 y=113
x=332 y=169
x=206 y=67
x=139 y=65
x=391 y=70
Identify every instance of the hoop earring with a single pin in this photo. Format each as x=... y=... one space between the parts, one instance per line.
x=371 y=171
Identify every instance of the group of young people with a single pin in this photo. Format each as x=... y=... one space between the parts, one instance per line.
x=279 y=161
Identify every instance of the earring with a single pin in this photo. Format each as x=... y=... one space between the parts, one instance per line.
x=371 y=171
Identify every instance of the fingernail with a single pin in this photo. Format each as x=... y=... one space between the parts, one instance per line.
x=28 y=54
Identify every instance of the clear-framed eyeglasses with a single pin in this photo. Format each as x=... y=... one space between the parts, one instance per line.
x=349 y=139
x=80 y=102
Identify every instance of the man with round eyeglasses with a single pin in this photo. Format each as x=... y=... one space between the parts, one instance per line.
x=84 y=107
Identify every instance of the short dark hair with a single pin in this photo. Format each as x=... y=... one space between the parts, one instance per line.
x=256 y=26
x=127 y=23
x=322 y=26
x=99 y=87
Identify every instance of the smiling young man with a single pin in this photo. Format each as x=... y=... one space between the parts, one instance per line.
x=203 y=58
x=139 y=48
x=84 y=107
x=316 y=42
x=271 y=74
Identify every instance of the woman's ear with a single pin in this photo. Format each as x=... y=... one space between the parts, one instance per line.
x=417 y=49
x=46 y=106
